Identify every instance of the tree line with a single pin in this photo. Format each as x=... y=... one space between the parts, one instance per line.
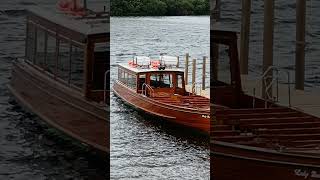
x=159 y=7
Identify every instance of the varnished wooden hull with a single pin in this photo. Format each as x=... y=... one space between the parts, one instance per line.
x=60 y=106
x=187 y=117
x=231 y=161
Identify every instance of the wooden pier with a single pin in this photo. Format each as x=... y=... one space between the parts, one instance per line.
x=303 y=100
x=195 y=87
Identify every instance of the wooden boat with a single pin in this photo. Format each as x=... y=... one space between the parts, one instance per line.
x=63 y=76
x=260 y=140
x=157 y=87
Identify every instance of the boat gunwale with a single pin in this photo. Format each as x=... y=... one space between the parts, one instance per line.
x=57 y=83
x=52 y=123
x=263 y=157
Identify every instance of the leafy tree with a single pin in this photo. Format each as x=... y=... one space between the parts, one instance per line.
x=159 y=7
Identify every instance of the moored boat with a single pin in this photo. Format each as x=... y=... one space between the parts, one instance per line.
x=255 y=138
x=157 y=87
x=62 y=77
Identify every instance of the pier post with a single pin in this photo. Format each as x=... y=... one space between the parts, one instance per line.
x=178 y=59
x=268 y=44
x=193 y=74
x=216 y=10
x=245 y=33
x=204 y=73
x=300 y=44
x=186 y=69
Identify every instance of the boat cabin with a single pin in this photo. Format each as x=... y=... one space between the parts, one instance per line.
x=153 y=78
x=226 y=81
x=70 y=49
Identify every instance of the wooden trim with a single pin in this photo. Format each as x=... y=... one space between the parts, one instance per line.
x=35 y=45
x=45 y=48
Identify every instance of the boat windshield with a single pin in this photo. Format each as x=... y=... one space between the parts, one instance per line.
x=161 y=80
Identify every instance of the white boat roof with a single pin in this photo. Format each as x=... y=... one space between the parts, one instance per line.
x=84 y=26
x=144 y=69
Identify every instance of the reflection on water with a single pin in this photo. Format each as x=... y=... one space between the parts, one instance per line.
x=141 y=146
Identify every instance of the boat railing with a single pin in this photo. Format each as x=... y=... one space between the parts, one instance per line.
x=144 y=89
x=270 y=80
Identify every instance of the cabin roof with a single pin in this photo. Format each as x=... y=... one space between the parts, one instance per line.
x=84 y=26
x=142 y=70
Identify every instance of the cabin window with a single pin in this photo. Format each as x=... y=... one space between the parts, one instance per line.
x=119 y=74
x=64 y=60
x=51 y=54
x=122 y=76
x=77 y=65
x=30 y=42
x=161 y=80
x=132 y=81
x=179 y=80
x=101 y=65
x=40 y=55
x=142 y=80
x=224 y=76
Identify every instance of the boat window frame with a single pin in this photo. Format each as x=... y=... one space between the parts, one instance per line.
x=58 y=37
x=158 y=73
x=126 y=80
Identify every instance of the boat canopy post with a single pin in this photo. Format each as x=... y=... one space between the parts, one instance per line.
x=268 y=44
x=186 y=69
x=300 y=44
x=215 y=64
x=204 y=73
x=88 y=68
x=245 y=34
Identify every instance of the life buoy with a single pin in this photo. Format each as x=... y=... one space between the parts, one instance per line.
x=131 y=64
x=155 y=64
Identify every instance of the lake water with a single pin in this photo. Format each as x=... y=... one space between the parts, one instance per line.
x=142 y=148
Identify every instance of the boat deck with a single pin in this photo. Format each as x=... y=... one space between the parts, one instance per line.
x=194 y=101
x=279 y=128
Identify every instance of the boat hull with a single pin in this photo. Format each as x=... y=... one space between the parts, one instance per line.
x=230 y=161
x=195 y=119
x=60 y=106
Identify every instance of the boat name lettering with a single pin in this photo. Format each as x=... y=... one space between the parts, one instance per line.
x=306 y=173
x=205 y=116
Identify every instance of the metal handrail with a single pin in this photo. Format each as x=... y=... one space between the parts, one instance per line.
x=267 y=97
x=144 y=89
x=193 y=88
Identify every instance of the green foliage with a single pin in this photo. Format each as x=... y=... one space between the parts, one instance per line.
x=159 y=7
